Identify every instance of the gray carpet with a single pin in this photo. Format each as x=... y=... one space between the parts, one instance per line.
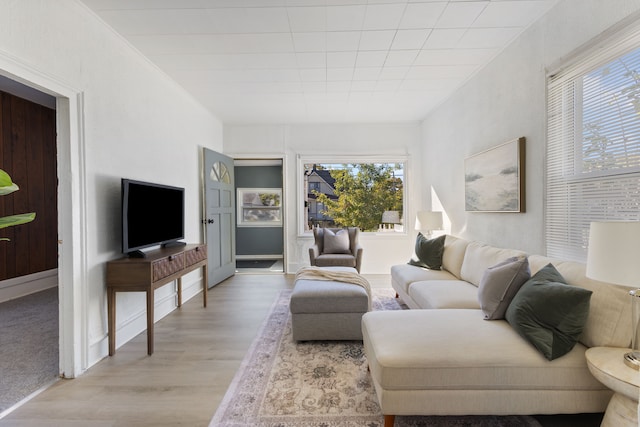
x=28 y=345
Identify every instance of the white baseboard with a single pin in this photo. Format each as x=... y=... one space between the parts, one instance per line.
x=29 y=284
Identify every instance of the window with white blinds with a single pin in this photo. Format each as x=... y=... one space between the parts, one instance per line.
x=593 y=145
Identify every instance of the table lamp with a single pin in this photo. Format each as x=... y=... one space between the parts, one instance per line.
x=614 y=257
x=428 y=221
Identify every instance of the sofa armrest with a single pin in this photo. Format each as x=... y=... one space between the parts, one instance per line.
x=358 y=255
x=314 y=252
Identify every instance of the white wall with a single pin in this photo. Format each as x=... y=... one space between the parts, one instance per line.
x=504 y=101
x=381 y=251
x=137 y=124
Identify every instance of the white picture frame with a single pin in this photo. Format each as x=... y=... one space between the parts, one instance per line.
x=259 y=207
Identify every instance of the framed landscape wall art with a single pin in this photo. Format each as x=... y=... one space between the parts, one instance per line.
x=494 y=180
x=259 y=207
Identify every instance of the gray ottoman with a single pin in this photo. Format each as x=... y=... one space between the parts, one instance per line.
x=327 y=310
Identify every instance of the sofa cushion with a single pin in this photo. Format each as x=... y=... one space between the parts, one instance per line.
x=549 y=313
x=342 y=260
x=403 y=275
x=336 y=243
x=454 y=249
x=444 y=294
x=609 y=321
x=456 y=349
x=499 y=285
x=428 y=252
x=478 y=257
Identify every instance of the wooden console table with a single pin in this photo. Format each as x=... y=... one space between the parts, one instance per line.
x=158 y=268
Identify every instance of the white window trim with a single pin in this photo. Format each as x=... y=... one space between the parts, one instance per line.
x=343 y=159
x=604 y=49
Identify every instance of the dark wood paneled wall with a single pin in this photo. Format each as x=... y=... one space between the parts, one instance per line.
x=28 y=154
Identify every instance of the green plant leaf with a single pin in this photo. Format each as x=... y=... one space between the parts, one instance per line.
x=9 y=221
x=6 y=185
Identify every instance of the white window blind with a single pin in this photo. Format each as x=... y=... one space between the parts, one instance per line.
x=593 y=145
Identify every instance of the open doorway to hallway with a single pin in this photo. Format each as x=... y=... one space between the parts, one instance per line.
x=260 y=225
x=29 y=307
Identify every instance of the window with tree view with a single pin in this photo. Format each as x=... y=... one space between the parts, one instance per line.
x=593 y=155
x=351 y=194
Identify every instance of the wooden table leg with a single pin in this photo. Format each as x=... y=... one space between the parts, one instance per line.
x=150 y=315
x=179 y=291
x=111 y=322
x=205 y=284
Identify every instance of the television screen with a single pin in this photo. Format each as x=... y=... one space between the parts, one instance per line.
x=152 y=214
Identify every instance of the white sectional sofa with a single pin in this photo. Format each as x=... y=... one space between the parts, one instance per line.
x=443 y=358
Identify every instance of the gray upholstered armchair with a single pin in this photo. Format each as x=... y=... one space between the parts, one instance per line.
x=336 y=247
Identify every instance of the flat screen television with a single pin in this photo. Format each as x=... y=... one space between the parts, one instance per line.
x=152 y=214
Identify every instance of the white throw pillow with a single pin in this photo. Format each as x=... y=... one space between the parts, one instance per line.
x=336 y=243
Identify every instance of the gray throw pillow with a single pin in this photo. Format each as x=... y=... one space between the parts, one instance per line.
x=499 y=284
x=549 y=313
x=336 y=243
x=428 y=252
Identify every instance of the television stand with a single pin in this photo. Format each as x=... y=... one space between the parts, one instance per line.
x=147 y=274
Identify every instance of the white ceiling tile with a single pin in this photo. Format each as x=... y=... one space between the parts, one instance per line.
x=363 y=85
x=247 y=43
x=175 y=21
x=461 y=15
x=371 y=58
x=307 y=19
x=455 y=56
x=440 y=72
x=341 y=59
x=478 y=38
x=247 y=20
x=398 y=58
x=383 y=16
x=410 y=39
x=339 y=86
x=311 y=60
x=320 y=60
x=338 y=74
x=366 y=74
x=309 y=42
x=388 y=85
x=376 y=40
x=267 y=60
x=339 y=41
x=345 y=2
x=444 y=38
x=511 y=13
x=345 y=18
x=311 y=87
x=313 y=74
x=393 y=73
x=422 y=15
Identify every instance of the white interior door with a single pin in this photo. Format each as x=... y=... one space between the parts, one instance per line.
x=219 y=202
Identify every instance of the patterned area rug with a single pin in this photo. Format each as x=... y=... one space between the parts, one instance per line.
x=282 y=383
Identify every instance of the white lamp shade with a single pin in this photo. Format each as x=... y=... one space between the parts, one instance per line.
x=614 y=252
x=391 y=217
x=428 y=221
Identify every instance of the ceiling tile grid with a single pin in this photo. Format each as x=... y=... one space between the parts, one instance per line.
x=262 y=61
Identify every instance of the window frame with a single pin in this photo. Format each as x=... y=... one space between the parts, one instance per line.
x=567 y=231
x=306 y=158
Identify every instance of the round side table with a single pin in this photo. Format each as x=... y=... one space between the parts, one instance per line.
x=607 y=366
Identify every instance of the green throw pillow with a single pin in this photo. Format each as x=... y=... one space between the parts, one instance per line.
x=428 y=252
x=549 y=313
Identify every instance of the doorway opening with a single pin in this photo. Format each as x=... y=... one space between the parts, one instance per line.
x=29 y=305
x=260 y=211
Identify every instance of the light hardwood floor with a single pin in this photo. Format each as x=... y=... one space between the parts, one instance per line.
x=197 y=353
